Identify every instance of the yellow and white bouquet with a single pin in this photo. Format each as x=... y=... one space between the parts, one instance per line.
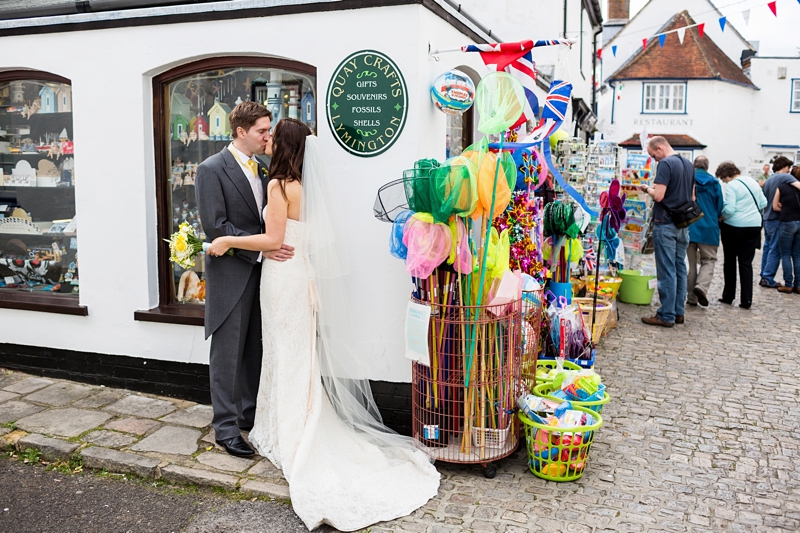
x=184 y=245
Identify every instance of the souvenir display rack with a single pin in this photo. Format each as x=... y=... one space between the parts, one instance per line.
x=38 y=231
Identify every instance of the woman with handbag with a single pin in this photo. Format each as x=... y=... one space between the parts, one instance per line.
x=787 y=203
x=740 y=230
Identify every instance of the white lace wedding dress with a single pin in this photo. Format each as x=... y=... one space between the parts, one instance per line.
x=336 y=474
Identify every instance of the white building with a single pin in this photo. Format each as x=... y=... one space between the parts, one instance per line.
x=696 y=92
x=126 y=326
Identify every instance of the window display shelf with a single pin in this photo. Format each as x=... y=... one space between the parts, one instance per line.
x=47 y=302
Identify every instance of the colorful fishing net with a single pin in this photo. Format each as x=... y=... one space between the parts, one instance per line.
x=428 y=244
x=417 y=183
x=442 y=190
x=396 y=246
x=486 y=162
x=460 y=253
x=500 y=100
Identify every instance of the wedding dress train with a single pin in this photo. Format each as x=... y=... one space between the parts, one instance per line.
x=337 y=474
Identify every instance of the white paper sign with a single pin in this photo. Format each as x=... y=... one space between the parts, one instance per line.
x=652 y=283
x=417 y=321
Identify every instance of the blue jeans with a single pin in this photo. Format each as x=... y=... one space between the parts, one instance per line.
x=789 y=241
x=770 y=254
x=670 y=245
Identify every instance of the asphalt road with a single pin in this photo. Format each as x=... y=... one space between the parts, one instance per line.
x=33 y=499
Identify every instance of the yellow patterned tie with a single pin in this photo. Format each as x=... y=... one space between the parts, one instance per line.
x=253 y=166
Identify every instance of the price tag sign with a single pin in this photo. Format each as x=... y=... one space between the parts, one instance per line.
x=367 y=103
x=652 y=283
x=417 y=320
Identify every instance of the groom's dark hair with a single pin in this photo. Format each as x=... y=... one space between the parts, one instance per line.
x=246 y=114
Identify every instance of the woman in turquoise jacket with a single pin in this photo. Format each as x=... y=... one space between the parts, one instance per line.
x=703 y=234
x=740 y=230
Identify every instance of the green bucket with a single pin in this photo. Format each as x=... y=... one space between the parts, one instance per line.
x=635 y=287
x=545 y=389
x=550 y=364
x=559 y=454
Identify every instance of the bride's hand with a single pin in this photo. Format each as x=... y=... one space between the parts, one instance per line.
x=218 y=247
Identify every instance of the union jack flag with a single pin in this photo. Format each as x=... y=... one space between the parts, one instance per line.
x=554 y=112
x=516 y=59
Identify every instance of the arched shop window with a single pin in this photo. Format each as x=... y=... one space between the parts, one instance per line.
x=192 y=104
x=38 y=226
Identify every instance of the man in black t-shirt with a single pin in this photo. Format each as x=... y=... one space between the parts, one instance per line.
x=672 y=187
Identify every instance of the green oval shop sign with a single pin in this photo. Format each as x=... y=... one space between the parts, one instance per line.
x=367 y=103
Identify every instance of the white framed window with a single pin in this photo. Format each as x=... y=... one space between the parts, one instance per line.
x=795 y=96
x=664 y=98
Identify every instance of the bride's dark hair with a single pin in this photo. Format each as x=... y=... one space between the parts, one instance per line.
x=288 y=150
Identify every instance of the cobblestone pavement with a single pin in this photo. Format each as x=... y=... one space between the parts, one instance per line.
x=700 y=435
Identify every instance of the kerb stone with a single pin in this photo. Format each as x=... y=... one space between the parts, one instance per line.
x=60 y=394
x=170 y=439
x=51 y=448
x=270 y=490
x=180 y=474
x=224 y=461
x=121 y=462
x=67 y=422
x=7 y=442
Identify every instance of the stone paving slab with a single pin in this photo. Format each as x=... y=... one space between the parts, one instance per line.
x=100 y=398
x=5 y=396
x=137 y=426
x=122 y=462
x=108 y=439
x=141 y=406
x=59 y=394
x=198 y=416
x=14 y=410
x=224 y=461
x=28 y=385
x=51 y=448
x=170 y=439
x=262 y=488
x=69 y=422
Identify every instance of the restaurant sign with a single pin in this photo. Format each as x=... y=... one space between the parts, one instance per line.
x=367 y=103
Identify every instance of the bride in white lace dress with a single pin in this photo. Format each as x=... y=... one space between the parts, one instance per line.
x=315 y=415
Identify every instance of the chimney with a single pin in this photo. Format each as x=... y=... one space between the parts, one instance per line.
x=619 y=9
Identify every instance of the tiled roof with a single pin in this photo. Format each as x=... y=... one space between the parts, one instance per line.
x=676 y=141
x=698 y=58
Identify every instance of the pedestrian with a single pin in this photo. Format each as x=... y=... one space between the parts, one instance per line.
x=787 y=203
x=770 y=255
x=764 y=175
x=704 y=234
x=740 y=231
x=672 y=188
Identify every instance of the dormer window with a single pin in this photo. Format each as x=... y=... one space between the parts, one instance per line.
x=664 y=98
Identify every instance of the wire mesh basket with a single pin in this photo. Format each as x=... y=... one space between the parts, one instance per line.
x=531 y=328
x=463 y=403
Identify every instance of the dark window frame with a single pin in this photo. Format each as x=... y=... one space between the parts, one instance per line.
x=47 y=303
x=168 y=310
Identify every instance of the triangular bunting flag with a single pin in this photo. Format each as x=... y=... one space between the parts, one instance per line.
x=773 y=6
x=746 y=16
x=701 y=29
x=614 y=47
x=722 y=21
x=599 y=53
x=661 y=39
x=681 y=34
x=644 y=43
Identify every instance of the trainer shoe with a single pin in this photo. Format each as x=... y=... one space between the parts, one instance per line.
x=702 y=300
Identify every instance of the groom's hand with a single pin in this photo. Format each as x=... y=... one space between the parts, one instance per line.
x=284 y=253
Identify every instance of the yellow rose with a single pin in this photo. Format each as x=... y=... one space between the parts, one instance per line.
x=180 y=244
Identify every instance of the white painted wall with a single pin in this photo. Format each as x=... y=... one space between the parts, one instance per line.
x=653 y=16
x=111 y=72
x=771 y=118
x=717 y=115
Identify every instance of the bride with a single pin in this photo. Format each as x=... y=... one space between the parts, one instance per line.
x=316 y=418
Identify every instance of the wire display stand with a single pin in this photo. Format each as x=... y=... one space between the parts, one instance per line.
x=464 y=402
x=531 y=329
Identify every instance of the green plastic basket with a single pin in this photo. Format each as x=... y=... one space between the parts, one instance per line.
x=545 y=389
x=552 y=454
x=551 y=363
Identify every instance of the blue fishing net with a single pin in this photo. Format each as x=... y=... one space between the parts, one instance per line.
x=396 y=246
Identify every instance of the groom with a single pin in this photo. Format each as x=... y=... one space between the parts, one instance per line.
x=230 y=189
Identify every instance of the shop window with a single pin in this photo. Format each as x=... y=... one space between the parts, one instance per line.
x=38 y=226
x=192 y=104
x=664 y=98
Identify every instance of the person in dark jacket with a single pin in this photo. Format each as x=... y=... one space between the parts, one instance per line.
x=703 y=234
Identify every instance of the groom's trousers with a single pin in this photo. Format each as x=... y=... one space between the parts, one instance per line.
x=235 y=363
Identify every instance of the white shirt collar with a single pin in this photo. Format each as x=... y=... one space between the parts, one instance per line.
x=242 y=155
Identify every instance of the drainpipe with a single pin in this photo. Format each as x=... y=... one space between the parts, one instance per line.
x=564 y=34
x=594 y=69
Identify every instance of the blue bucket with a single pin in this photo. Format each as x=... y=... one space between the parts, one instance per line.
x=561 y=289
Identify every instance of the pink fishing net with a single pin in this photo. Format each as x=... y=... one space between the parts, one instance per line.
x=428 y=244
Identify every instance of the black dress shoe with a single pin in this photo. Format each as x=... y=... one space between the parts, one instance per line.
x=723 y=300
x=679 y=319
x=236 y=446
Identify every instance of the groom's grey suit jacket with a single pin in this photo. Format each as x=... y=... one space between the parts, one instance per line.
x=227 y=207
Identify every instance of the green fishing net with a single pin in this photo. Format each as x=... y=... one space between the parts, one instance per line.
x=500 y=100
